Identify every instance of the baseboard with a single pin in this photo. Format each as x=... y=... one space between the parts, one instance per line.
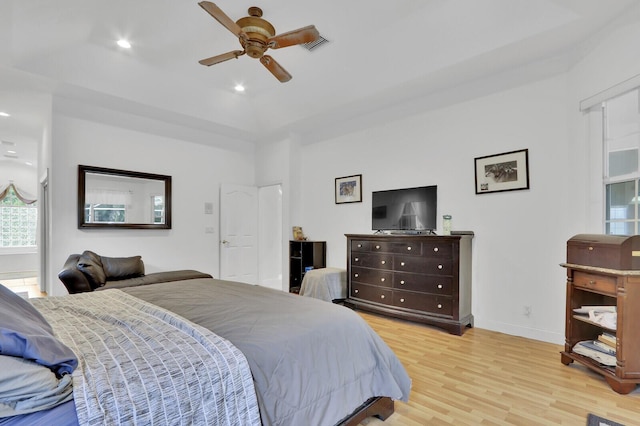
x=527 y=332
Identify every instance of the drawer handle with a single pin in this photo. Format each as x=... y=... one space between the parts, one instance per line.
x=590 y=248
x=436 y=249
x=409 y=248
x=359 y=245
x=402 y=282
x=439 y=285
x=402 y=300
x=382 y=296
x=383 y=262
x=439 y=266
x=592 y=283
x=356 y=290
x=439 y=305
x=356 y=259
x=377 y=247
x=356 y=275
x=382 y=279
x=401 y=263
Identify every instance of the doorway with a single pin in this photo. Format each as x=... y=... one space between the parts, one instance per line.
x=251 y=238
x=270 y=236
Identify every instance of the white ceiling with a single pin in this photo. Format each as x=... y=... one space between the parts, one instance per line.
x=382 y=58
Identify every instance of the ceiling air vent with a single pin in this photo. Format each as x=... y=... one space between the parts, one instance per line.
x=7 y=143
x=11 y=155
x=321 y=41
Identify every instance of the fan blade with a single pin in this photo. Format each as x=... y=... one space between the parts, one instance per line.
x=222 y=17
x=275 y=69
x=299 y=36
x=221 y=58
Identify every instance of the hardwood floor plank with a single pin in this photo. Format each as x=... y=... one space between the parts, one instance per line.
x=489 y=378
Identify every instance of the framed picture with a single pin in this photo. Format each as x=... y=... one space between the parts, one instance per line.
x=349 y=189
x=298 y=235
x=508 y=171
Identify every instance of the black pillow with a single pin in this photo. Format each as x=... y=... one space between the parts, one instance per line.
x=120 y=268
x=91 y=266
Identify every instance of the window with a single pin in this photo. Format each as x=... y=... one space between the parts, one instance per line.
x=621 y=134
x=18 y=221
x=104 y=213
x=157 y=201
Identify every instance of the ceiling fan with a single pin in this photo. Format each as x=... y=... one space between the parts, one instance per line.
x=256 y=36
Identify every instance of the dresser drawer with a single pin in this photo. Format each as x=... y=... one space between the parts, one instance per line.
x=597 y=283
x=423 y=283
x=360 y=245
x=372 y=276
x=413 y=248
x=371 y=293
x=372 y=260
x=422 y=265
x=440 y=305
x=437 y=249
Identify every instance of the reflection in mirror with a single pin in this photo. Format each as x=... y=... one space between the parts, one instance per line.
x=123 y=199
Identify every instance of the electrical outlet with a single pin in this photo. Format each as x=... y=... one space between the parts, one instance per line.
x=527 y=311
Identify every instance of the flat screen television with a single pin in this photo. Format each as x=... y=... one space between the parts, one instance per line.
x=406 y=209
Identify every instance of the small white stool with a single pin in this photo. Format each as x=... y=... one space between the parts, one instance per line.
x=325 y=283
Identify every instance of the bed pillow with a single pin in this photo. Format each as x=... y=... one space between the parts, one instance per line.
x=26 y=387
x=120 y=268
x=91 y=266
x=24 y=333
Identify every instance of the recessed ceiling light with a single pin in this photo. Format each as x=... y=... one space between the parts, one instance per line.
x=239 y=88
x=124 y=44
x=4 y=114
x=10 y=151
x=28 y=163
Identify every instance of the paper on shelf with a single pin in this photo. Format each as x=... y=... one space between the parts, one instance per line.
x=605 y=319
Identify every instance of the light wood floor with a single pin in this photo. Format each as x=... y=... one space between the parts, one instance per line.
x=490 y=378
x=27 y=285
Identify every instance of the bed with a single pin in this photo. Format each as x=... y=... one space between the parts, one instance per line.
x=268 y=357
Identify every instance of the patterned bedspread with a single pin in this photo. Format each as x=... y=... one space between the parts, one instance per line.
x=141 y=364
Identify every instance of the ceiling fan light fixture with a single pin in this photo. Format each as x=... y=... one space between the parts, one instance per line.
x=256 y=36
x=125 y=44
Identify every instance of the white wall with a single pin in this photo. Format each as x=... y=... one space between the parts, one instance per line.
x=519 y=238
x=197 y=172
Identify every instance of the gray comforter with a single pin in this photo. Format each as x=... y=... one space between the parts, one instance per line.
x=142 y=365
x=313 y=362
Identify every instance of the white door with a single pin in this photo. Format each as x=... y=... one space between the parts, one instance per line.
x=239 y=233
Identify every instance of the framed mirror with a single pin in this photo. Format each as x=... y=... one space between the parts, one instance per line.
x=110 y=198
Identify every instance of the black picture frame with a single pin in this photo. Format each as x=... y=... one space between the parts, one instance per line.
x=508 y=171
x=348 y=189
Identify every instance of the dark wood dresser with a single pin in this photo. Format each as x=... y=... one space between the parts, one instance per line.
x=422 y=278
x=604 y=270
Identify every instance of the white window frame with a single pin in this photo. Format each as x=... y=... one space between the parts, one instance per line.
x=629 y=177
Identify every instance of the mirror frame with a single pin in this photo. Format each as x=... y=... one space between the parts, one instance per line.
x=82 y=173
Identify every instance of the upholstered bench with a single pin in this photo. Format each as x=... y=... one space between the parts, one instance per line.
x=328 y=284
